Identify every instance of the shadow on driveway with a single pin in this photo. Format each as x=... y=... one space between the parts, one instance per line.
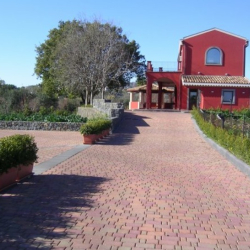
x=127 y=129
x=31 y=211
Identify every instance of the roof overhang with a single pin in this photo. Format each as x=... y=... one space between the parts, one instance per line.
x=215 y=81
x=202 y=84
x=155 y=88
x=215 y=29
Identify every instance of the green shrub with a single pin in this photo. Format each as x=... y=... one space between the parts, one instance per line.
x=87 y=106
x=233 y=142
x=16 y=150
x=44 y=116
x=95 y=126
x=43 y=110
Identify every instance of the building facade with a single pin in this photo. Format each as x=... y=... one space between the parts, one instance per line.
x=210 y=73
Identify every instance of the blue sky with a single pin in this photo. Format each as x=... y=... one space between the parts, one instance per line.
x=156 y=25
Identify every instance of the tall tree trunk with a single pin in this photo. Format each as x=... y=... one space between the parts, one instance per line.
x=86 y=98
x=82 y=97
x=102 y=93
x=91 y=97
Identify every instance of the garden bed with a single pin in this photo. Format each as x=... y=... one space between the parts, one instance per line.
x=48 y=126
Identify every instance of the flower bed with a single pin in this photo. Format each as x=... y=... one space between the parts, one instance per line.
x=48 y=126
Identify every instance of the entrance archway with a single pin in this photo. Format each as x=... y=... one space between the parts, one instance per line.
x=164 y=80
x=161 y=97
x=166 y=96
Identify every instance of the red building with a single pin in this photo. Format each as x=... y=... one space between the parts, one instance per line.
x=210 y=74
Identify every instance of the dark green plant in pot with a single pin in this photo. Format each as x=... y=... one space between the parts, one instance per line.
x=105 y=124
x=17 y=150
x=95 y=126
x=87 y=129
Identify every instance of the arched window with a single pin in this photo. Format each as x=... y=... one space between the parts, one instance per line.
x=213 y=56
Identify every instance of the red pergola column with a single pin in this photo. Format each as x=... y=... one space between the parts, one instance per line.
x=149 y=94
x=159 y=95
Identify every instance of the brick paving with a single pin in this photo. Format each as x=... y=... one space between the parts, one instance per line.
x=154 y=184
x=50 y=143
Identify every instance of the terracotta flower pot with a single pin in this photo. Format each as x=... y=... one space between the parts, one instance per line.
x=99 y=136
x=24 y=171
x=89 y=139
x=9 y=178
x=105 y=132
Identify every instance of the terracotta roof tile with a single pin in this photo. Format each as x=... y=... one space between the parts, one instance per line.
x=155 y=87
x=214 y=80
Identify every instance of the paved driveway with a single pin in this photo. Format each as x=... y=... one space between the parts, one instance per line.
x=154 y=184
x=50 y=143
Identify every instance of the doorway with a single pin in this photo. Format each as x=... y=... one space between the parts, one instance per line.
x=193 y=93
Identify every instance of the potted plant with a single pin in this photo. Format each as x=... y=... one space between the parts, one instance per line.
x=93 y=129
x=106 y=125
x=88 y=132
x=17 y=156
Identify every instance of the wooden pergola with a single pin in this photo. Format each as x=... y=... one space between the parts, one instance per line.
x=140 y=102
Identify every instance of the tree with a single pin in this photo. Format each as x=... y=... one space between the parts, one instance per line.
x=89 y=57
x=141 y=81
x=2 y=82
x=46 y=57
x=13 y=98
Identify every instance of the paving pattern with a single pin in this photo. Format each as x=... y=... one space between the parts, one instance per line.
x=50 y=143
x=154 y=184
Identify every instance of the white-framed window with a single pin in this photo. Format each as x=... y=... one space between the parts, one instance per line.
x=228 y=96
x=213 y=56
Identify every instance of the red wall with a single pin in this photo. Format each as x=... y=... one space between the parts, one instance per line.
x=233 y=49
x=184 y=97
x=134 y=105
x=193 y=52
x=164 y=77
x=213 y=100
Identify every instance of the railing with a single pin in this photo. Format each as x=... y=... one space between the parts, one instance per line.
x=235 y=124
x=164 y=66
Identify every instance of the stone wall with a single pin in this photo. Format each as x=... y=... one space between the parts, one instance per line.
x=116 y=120
x=49 y=126
x=113 y=110
x=107 y=107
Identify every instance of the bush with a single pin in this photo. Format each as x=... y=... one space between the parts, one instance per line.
x=95 y=126
x=68 y=104
x=236 y=144
x=16 y=150
x=44 y=116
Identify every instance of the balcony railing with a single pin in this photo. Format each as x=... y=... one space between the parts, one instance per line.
x=163 y=66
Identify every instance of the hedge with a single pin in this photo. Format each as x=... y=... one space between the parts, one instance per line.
x=235 y=144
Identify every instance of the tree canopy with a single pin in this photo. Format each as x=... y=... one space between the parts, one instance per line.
x=84 y=58
x=46 y=57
